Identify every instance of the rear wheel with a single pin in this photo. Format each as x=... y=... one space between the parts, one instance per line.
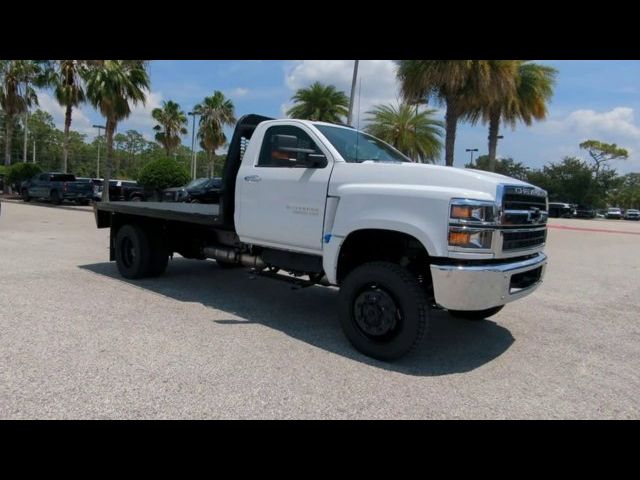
x=476 y=314
x=132 y=252
x=385 y=311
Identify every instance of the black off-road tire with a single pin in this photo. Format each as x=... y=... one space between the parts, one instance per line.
x=476 y=315
x=133 y=252
x=396 y=286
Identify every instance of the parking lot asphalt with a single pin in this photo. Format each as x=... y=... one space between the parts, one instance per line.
x=78 y=341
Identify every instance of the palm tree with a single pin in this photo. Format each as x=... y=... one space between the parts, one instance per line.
x=69 y=92
x=171 y=125
x=323 y=103
x=453 y=83
x=112 y=86
x=17 y=95
x=215 y=113
x=524 y=98
x=417 y=135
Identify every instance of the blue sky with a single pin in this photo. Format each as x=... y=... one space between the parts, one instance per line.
x=593 y=99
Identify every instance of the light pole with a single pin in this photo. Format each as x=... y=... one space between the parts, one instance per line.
x=194 y=113
x=98 y=164
x=26 y=129
x=471 y=150
x=353 y=91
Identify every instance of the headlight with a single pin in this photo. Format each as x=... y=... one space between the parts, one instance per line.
x=471 y=211
x=463 y=237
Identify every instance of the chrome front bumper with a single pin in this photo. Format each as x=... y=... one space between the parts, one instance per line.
x=485 y=286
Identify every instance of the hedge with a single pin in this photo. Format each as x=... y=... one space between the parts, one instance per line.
x=163 y=173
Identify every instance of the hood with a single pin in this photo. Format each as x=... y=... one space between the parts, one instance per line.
x=461 y=181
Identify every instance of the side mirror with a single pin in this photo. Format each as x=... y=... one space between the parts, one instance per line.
x=309 y=158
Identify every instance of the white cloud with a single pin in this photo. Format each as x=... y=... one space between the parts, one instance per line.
x=239 y=92
x=618 y=122
x=376 y=81
x=79 y=120
x=561 y=136
x=140 y=118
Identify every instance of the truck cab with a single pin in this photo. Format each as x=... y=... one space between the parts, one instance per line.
x=335 y=206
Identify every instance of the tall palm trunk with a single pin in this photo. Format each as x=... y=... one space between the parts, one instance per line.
x=494 y=129
x=451 y=120
x=108 y=164
x=8 y=139
x=65 y=145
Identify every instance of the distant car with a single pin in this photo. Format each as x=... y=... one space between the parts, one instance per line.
x=614 y=213
x=200 y=190
x=582 y=211
x=560 y=210
x=119 y=190
x=632 y=214
x=56 y=187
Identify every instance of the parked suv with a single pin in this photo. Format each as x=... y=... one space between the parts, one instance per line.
x=632 y=214
x=57 y=187
x=582 y=211
x=120 y=190
x=560 y=210
x=200 y=190
x=614 y=213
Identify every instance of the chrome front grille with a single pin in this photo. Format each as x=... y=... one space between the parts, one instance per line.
x=523 y=217
x=519 y=239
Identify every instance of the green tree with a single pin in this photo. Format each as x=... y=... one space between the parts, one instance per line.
x=163 y=173
x=416 y=135
x=17 y=94
x=171 y=126
x=215 y=112
x=627 y=195
x=112 y=86
x=323 y=103
x=520 y=92
x=568 y=181
x=457 y=84
x=602 y=153
x=64 y=77
x=503 y=166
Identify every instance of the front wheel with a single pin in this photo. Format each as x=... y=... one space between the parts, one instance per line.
x=476 y=314
x=385 y=311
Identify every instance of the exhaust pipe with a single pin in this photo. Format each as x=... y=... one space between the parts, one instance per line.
x=232 y=256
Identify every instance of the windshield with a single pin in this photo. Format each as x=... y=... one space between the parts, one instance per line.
x=198 y=182
x=357 y=147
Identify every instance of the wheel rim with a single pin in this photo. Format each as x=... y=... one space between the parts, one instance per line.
x=127 y=252
x=376 y=313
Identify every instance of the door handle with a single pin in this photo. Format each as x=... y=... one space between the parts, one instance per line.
x=252 y=178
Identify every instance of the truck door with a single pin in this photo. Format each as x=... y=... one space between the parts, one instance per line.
x=41 y=184
x=281 y=192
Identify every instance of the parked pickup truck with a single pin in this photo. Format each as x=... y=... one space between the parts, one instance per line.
x=317 y=203
x=57 y=187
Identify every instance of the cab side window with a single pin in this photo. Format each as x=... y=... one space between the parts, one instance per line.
x=273 y=156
